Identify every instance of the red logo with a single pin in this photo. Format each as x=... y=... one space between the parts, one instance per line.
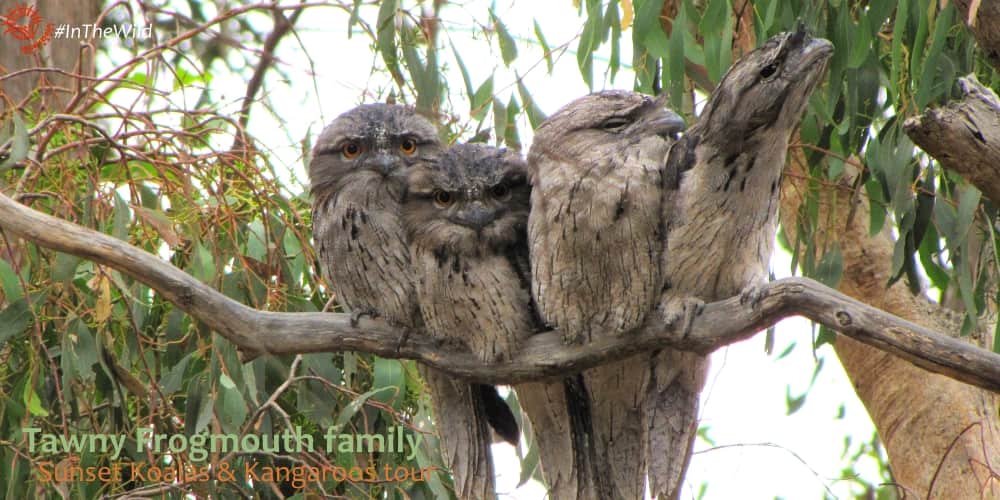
x=23 y=23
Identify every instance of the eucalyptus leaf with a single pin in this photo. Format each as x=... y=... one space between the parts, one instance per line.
x=831 y=267
x=19 y=144
x=385 y=31
x=12 y=290
x=793 y=403
x=388 y=375
x=466 y=79
x=508 y=48
x=33 y=402
x=546 y=50
x=535 y=114
x=14 y=319
x=510 y=135
x=172 y=380
x=481 y=99
x=358 y=403
x=499 y=119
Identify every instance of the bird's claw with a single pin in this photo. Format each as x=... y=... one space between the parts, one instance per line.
x=752 y=294
x=402 y=340
x=357 y=315
x=683 y=309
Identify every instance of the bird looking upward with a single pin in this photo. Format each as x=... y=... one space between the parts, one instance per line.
x=722 y=181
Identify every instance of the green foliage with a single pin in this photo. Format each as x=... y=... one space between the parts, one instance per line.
x=858 y=453
x=19 y=140
x=892 y=61
x=891 y=64
x=508 y=49
x=90 y=350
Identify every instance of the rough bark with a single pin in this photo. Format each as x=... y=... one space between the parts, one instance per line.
x=964 y=136
x=941 y=435
x=544 y=355
x=55 y=87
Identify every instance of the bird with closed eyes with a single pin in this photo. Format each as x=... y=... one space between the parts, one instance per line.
x=466 y=216
x=596 y=236
x=358 y=178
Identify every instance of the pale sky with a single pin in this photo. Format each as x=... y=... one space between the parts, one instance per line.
x=761 y=453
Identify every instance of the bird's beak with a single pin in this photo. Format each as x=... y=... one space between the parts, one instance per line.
x=384 y=163
x=666 y=123
x=476 y=216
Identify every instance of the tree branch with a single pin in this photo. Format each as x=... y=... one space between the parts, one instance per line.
x=282 y=25
x=964 y=136
x=721 y=323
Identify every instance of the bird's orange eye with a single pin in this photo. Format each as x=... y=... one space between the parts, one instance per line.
x=408 y=146
x=500 y=192
x=443 y=199
x=351 y=150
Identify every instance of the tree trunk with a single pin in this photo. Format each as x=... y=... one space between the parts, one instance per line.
x=941 y=435
x=55 y=88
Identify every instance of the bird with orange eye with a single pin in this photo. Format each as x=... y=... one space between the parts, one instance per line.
x=383 y=153
x=353 y=148
x=466 y=216
x=472 y=199
x=357 y=176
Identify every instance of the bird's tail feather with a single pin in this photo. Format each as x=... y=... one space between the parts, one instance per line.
x=672 y=418
x=465 y=437
x=498 y=414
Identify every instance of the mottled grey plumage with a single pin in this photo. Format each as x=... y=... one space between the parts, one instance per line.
x=723 y=220
x=356 y=226
x=596 y=237
x=358 y=176
x=596 y=170
x=466 y=216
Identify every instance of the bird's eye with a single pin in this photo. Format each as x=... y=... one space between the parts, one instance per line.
x=500 y=192
x=443 y=199
x=351 y=150
x=408 y=146
x=615 y=123
x=768 y=70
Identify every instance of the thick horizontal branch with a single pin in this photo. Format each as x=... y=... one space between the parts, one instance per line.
x=544 y=355
x=964 y=136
